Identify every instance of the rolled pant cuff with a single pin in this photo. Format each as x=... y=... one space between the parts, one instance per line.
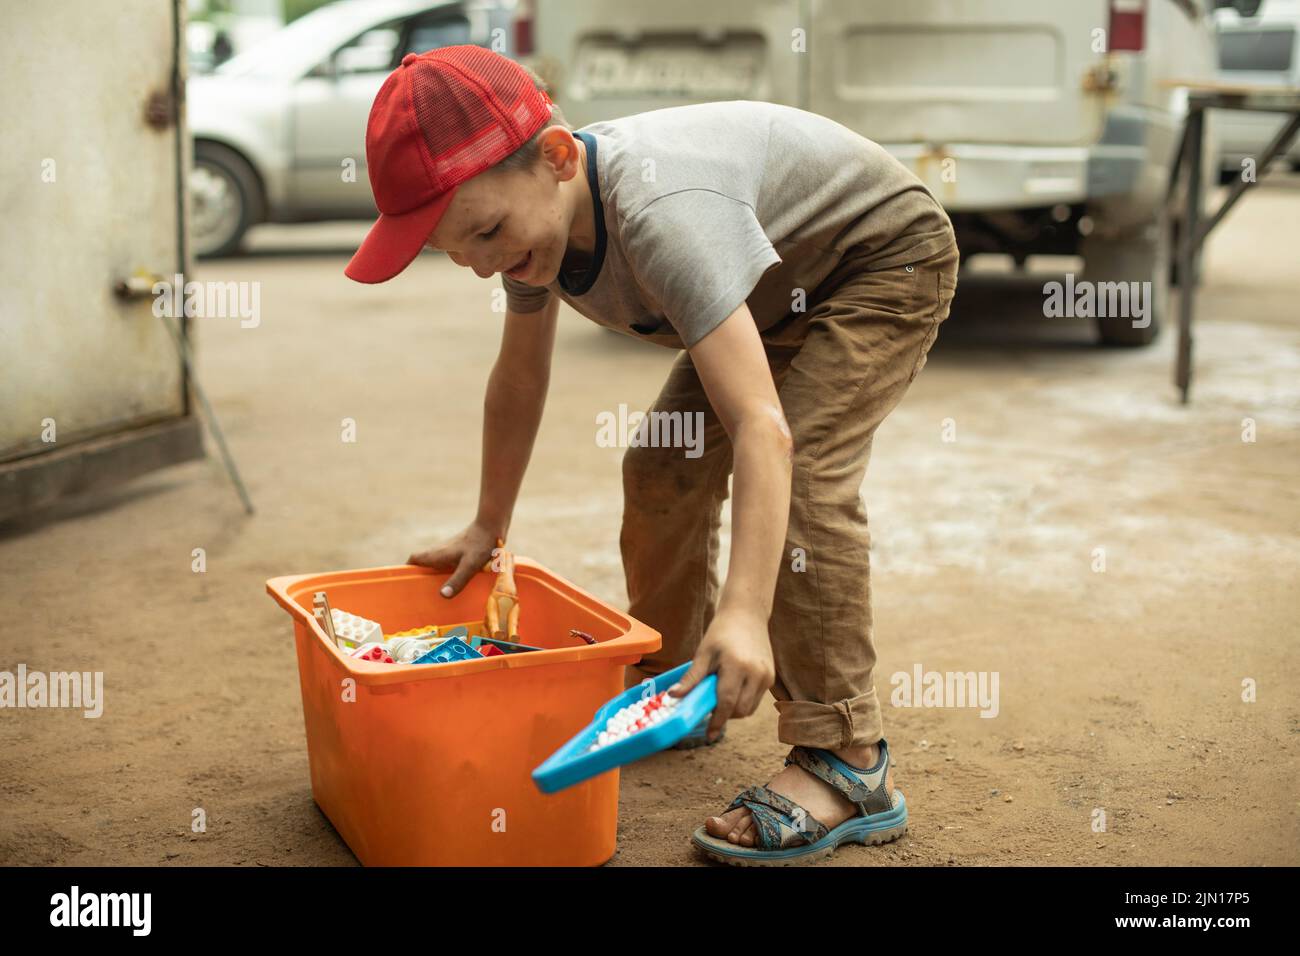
x=854 y=722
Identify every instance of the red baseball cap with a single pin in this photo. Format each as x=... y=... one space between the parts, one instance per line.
x=440 y=118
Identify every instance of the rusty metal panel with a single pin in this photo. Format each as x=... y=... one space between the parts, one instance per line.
x=90 y=196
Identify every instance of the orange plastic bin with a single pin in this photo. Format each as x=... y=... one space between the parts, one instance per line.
x=429 y=764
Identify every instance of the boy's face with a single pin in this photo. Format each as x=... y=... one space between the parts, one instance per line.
x=516 y=221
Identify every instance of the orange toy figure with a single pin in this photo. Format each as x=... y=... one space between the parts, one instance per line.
x=502 y=620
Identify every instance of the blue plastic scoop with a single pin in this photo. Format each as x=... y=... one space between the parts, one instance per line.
x=576 y=761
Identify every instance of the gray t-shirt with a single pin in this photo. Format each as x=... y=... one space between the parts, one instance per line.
x=702 y=207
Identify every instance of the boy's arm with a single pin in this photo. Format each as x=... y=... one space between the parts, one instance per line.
x=733 y=369
x=512 y=412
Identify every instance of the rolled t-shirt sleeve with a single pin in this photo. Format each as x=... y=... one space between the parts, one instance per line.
x=521 y=297
x=699 y=254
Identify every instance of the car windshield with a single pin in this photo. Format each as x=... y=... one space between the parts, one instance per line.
x=303 y=43
x=1256 y=50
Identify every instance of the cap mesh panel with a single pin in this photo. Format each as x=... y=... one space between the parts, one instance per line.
x=474 y=108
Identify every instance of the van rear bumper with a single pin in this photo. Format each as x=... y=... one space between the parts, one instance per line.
x=975 y=177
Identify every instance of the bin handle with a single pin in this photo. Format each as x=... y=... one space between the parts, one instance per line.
x=279 y=587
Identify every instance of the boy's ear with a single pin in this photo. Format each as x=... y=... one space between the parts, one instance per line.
x=559 y=150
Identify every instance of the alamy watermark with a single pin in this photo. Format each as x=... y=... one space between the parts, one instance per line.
x=76 y=689
x=75 y=908
x=626 y=429
x=209 y=300
x=1098 y=300
x=922 y=688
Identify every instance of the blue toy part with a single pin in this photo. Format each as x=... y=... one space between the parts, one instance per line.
x=576 y=761
x=449 y=651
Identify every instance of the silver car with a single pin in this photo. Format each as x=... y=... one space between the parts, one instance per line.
x=279 y=131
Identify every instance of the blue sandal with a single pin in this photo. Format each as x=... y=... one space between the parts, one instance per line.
x=788 y=834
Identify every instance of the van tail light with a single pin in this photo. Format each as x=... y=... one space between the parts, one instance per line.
x=524 y=15
x=1127 y=24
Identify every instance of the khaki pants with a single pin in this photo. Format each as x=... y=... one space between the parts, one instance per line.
x=840 y=368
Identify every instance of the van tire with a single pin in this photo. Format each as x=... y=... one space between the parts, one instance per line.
x=1139 y=258
x=241 y=191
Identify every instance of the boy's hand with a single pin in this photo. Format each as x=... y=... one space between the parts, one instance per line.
x=736 y=646
x=464 y=555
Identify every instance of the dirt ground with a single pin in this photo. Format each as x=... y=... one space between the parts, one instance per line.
x=1120 y=691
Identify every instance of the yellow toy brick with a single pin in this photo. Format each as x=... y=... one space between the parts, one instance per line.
x=429 y=631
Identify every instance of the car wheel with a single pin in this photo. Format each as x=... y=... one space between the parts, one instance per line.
x=1143 y=258
x=225 y=199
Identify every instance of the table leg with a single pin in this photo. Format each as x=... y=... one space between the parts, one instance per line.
x=1187 y=248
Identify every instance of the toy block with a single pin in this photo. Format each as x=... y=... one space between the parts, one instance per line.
x=426 y=633
x=449 y=651
x=355 y=629
x=373 y=652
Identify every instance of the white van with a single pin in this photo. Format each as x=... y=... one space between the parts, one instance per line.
x=1260 y=50
x=1043 y=126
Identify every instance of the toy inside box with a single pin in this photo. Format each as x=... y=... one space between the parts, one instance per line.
x=492 y=636
x=430 y=644
x=427 y=760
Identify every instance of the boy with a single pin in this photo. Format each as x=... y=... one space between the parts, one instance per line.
x=803 y=272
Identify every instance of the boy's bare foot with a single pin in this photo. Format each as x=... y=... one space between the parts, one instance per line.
x=817 y=797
